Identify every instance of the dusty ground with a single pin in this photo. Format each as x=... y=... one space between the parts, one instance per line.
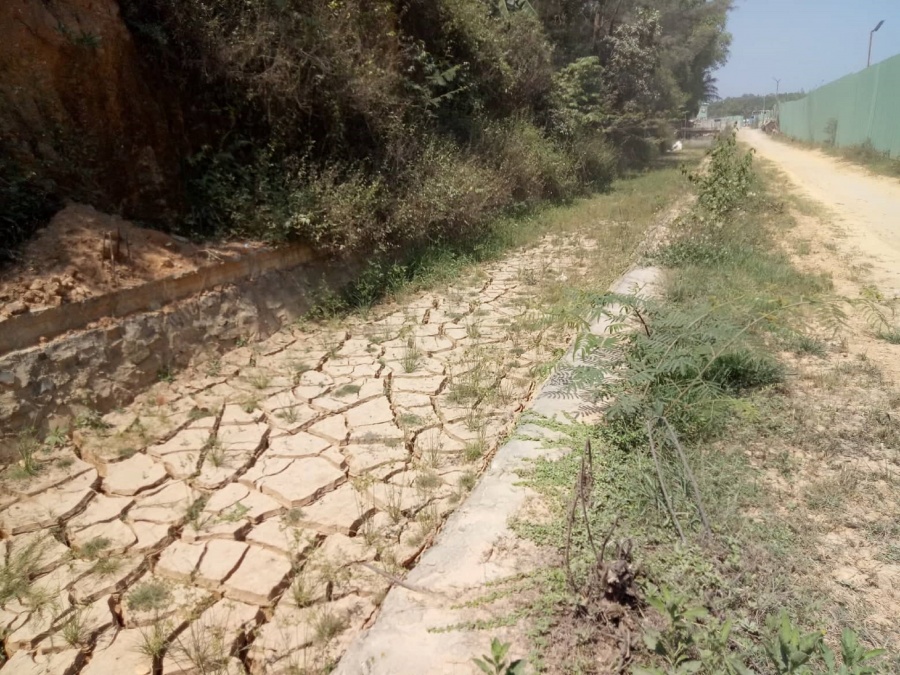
x=260 y=504
x=866 y=207
x=840 y=465
x=83 y=253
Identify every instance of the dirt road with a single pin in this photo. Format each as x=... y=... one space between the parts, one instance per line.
x=865 y=207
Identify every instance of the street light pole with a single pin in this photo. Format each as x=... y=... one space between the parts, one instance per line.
x=872 y=35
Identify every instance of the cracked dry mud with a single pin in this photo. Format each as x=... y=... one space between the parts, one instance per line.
x=252 y=513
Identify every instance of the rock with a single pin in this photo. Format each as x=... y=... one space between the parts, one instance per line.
x=220 y=559
x=124 y=656
x=118 y=535
x=23 y=663
x=236 y=497
x=46 y=509
x=216 y=634
x=261 y=575
x=16 y=307
x=179 y=560
x=101 y=509
x=376 y=411
x=298 y=445
x=301 y=481
x=286 y=539
x=136 y=474
x=339 y=511
x=166 y=505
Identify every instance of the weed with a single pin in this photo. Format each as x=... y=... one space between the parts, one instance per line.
x=259 y=380
x=347 y=390
x=427 y=482
x=476 y=448
x=293 y=516
x=289 y=415
x=215 y=454
x=234 y=514
x=74 y=630
x=107 y=566
x=411 y=357
x=467 y=481
x=497 y=663
x=92 y=549
x=409 y=421
x=165 y=374
x=327 y=625
x=27 y=446
x=155 y=639
x=19 y=568
x=149 y=596
x=194 y=512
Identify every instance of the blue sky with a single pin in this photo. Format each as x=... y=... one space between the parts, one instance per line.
x=805 y=43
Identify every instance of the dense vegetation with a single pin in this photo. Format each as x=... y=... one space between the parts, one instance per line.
x=370 y=124
x=747 y=104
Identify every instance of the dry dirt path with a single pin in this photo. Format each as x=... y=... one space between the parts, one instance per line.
x=866 y=207
x=253 y=511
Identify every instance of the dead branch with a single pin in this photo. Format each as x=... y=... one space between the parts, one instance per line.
x=690 y=474
x=662 y=483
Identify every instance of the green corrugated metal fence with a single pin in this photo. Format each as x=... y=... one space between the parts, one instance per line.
x=864 y=106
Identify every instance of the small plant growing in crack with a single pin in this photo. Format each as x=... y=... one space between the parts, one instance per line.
x=328 y=625
x=394 y=496
x=19 y=568
x=234 y=514
x=155 y=639
x=26 y=447
x=249 y=404
x=74 y=630
x=346 y=390
x=302 y=589
x=293 y=516
x=409 y=421
x=476 y=448
x=289 y=415
x=411 y=357
x=215 y=454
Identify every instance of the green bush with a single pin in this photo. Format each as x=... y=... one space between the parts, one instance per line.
x=595 y=160
x=534 y=167
x=446 y=194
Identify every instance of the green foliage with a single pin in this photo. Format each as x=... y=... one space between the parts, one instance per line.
x=791 y=651
x=497 y=663
x=726 y=182
x=747 y=104
x=687 y=644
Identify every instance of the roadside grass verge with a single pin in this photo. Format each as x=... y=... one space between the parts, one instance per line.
x=616 y=220
x=692 y=524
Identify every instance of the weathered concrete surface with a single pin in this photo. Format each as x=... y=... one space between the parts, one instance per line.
x=476 y=546
x=272 y=492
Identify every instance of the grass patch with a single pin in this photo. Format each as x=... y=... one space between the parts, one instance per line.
x=698 y=539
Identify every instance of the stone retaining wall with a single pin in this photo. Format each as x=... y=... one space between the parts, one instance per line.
x=106 y=365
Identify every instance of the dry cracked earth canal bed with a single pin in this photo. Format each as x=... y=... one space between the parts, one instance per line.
x=251 y=513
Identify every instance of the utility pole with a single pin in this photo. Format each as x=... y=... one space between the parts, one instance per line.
x=777 y=86
x=872 y=35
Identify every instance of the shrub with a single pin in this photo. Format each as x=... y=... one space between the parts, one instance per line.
x=534 y=167
x=595 y=160
x=446 y=194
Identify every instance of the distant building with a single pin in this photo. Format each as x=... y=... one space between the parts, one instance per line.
x=704 y=111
